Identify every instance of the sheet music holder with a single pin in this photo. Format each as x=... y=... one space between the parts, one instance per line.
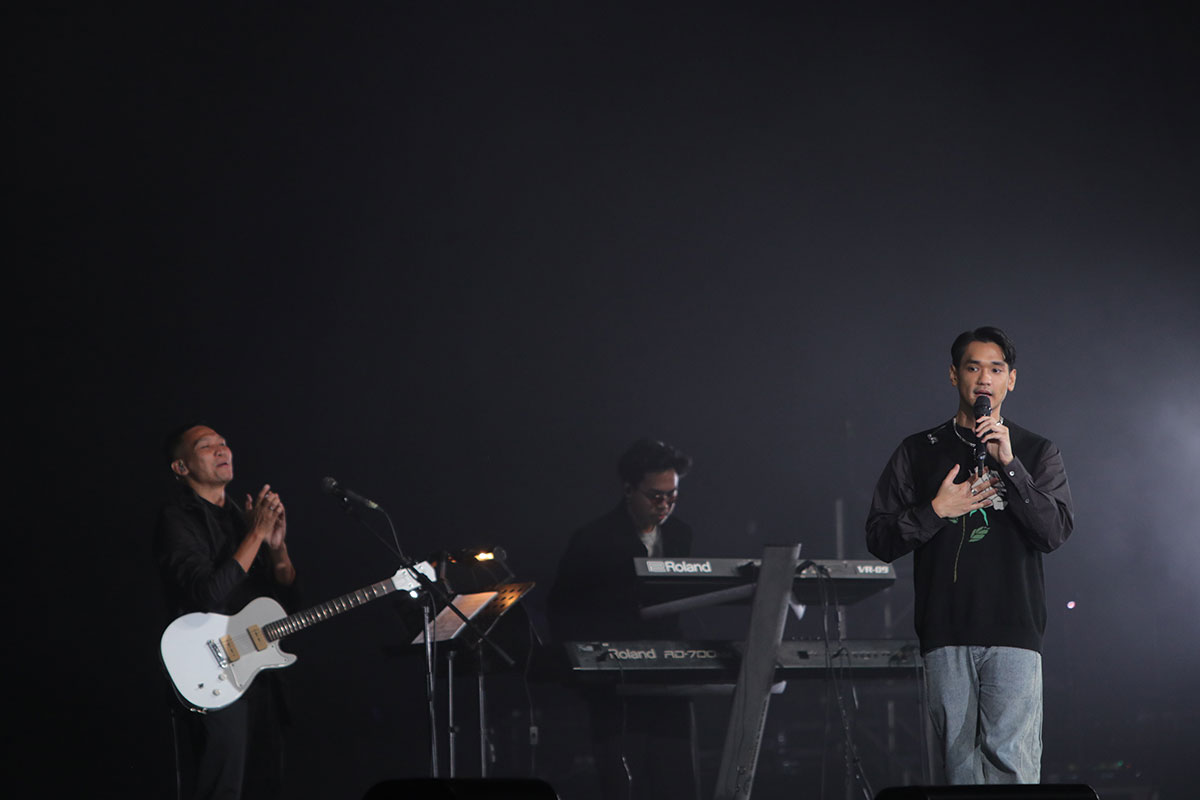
x=482 y=608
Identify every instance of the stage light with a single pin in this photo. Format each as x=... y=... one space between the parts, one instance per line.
x=471 y=569
x=481 y=554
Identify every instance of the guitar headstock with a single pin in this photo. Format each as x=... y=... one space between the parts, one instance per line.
x=405 y=581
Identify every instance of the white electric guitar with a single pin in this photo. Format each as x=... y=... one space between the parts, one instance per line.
x=212 y=658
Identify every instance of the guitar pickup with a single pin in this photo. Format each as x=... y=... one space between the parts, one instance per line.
x=257 y=637
x=231 y=650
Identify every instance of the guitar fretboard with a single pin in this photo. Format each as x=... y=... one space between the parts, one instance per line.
x=327 y=610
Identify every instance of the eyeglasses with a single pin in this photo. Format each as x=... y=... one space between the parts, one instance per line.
x=655 y=496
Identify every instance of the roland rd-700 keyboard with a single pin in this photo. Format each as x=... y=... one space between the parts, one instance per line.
x=718 y=661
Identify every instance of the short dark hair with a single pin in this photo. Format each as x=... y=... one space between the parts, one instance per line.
x=174 y=441
x=987 y=333
x=650 y=455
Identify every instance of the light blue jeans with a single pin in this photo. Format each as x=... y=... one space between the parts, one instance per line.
x=985 y=704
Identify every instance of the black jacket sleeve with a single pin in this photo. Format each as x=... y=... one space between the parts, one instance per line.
x=1040 y=498
x=196 y=574
x=899 y=521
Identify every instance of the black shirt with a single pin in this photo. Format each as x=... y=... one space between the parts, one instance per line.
x=194 y=543
x=596 y=593
x=978 y=578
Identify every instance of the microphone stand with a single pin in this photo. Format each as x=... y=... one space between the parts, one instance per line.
x=430 y=686
x=432 y=592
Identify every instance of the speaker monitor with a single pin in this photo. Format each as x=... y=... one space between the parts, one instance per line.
x=1011 y=791
x=462 y=789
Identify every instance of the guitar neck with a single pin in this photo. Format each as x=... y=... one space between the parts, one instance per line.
x=328 y=610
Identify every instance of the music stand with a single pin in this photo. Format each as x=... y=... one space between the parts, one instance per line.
x=484 y=609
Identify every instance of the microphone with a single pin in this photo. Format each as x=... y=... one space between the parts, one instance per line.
x=983 y=407
x=330 y=486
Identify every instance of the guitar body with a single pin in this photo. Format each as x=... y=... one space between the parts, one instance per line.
x=197 y=654
x=212 y=658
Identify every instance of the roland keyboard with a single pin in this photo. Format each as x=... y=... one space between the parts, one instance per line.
x=709 y=662
x=664 y=580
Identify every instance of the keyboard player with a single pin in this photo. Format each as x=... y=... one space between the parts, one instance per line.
x=644 y=746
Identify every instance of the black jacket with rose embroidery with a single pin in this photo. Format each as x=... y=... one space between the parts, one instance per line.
x=978 y=578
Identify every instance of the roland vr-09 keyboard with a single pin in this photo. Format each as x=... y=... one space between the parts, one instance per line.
x=718 y=661
x=672 y=580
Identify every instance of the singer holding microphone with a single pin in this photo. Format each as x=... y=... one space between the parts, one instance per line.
x=978 y=500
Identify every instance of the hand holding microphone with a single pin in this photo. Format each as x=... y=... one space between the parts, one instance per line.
x=991 y=435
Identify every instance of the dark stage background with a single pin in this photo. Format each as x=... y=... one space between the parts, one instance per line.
x=459 y=255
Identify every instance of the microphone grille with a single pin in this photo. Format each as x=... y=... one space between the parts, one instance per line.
x=328 y=485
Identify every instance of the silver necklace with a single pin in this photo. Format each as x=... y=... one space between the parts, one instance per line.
x=968 y=443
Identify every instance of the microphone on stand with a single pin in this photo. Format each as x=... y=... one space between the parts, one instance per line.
x=983 y=407
x=330 y=486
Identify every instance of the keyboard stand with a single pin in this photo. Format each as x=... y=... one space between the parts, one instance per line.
x=756 y=675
